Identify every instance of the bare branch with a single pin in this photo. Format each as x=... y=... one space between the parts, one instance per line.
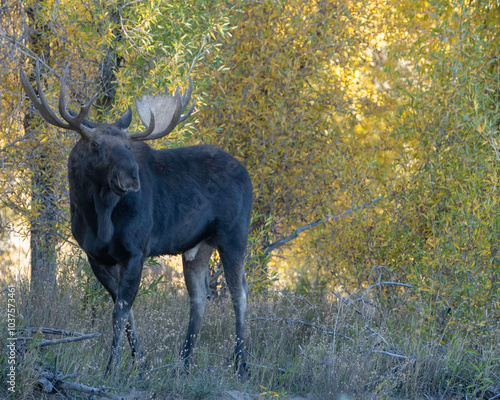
x=78 y=387
x=201 y=53
x=163 y=366
x=52 y=382
x=26 y=51
x=12 y=144
x=74 y=336
x=44 y=343
x=376 y=334
x=273 y=246
x=52 y=331
x=379 y=284
x=285 y=294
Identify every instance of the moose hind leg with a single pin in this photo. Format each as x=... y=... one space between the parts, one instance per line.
x=196 y=277
x=234 y=270
x=191 y=253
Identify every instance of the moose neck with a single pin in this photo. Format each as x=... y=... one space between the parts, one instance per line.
x=104 y=202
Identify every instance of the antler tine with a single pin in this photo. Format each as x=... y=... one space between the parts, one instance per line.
x=185 y=100
x=41 y=104
x=173 y=122
x=187 y=94
x=149 y=130
x=166 y=109
x=75 y=123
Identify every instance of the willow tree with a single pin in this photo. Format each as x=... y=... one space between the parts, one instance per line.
x=292 y=101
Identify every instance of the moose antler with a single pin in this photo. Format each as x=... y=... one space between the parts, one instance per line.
x=162 y=113
x=74 y=123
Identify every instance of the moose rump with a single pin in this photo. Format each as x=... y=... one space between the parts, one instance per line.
x=129 y=201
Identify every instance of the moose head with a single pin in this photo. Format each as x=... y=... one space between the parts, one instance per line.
x=107 y=145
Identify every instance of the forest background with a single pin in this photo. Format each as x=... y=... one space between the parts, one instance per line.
x=371 y=133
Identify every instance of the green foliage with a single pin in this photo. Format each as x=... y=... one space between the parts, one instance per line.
x=274 y=108
x=259 y=276
x=449 y=199
x=147 y=288
x=429 y=144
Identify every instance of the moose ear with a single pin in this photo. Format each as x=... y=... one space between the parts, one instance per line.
x=125 y=120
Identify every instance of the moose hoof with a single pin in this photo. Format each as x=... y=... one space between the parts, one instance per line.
x=243 y=372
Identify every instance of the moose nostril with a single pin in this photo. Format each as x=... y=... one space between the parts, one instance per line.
x=136 y=185
x=127 y=183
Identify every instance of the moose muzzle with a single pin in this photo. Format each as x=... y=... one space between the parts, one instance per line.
x=125 y=179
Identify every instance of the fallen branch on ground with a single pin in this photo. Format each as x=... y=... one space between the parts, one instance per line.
x=56 y=382
x=72 y=336
x=52 y=383
x=44 y=343
x=51 y=331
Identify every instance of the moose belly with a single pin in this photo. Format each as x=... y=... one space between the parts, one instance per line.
x=182 y=237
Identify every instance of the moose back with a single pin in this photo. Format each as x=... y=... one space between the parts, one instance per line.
x=129 y=201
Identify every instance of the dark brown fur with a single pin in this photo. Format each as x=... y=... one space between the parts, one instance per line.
x=129 y=201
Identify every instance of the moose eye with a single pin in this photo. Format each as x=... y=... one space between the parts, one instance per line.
x=96 y=144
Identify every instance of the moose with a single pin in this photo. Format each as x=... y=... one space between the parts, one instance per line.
x=129 y=201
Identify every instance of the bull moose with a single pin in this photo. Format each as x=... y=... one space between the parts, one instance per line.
x=129 y=202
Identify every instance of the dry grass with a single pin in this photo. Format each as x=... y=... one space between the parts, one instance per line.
x=322 y=347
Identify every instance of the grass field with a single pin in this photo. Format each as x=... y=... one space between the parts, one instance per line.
x=328 y=346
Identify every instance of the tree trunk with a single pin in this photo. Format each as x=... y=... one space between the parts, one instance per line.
x=43 y=239
x=43 y=200
x=109 y=66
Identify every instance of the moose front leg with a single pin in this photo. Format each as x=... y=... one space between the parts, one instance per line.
x=133 y=340
x=123 y=316
x=120 y=317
